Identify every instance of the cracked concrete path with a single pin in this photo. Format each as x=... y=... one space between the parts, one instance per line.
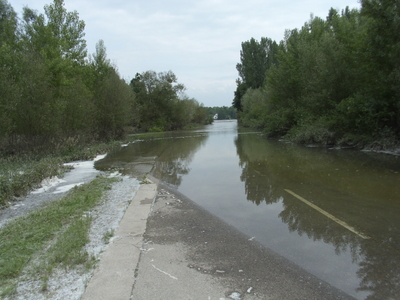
x=115 y=275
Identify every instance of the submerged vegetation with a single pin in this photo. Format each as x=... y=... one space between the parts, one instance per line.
x=333 y=81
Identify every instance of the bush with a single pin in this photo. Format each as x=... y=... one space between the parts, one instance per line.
x=312 y=133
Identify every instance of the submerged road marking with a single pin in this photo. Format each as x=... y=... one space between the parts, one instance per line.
x=340 y=222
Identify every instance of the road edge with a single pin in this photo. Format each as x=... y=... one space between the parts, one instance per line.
x=115 y=276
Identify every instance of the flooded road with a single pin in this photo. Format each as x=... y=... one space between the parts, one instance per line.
x=335 y=213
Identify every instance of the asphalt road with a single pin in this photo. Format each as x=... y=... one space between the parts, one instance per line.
x=188 y=253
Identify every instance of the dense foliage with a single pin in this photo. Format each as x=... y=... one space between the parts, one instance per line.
x=223 y=112
x=52 y=92
x=162 y=104
x=333 y=81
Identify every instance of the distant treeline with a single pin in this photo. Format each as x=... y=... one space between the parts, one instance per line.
x=333 y=81
x=224 y=112
x=52 y=91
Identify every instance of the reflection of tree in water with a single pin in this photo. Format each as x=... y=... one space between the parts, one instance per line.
x=258 y=187
x=168 y=156
x=379 y=263
x=176 y=157
x=380 y=271
x=305 y=220
x=263 y=167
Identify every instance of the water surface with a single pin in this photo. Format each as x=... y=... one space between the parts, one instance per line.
x=243 y=178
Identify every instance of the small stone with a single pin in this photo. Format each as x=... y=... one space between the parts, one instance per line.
x=235 y=296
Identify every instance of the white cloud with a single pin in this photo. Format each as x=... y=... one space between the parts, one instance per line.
x=198 y=40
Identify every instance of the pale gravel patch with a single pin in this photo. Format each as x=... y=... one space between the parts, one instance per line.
x=70 y=283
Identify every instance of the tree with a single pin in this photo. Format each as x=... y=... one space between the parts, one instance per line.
x=8 y=89
x=114 y=102
x=99 y=59
x=156 y=94
x=112 y=97
x=49 y=72
x=60 y=35
x=383 y=49
x=256 y=58
x=253 y=63
x=241 y=88
x=8 y=23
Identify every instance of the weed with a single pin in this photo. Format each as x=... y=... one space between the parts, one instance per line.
x=144 y=180
x=108 y=235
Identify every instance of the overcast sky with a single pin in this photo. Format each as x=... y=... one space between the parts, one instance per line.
x=198 y=40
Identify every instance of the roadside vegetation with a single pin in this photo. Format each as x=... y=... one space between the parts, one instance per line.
x=334 y=81
x=49 y=238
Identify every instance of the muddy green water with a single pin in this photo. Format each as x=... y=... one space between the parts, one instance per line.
x=244 y=178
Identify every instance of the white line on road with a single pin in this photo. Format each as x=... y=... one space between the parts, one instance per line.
x=340 y=222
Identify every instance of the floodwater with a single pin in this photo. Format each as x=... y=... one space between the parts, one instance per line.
x=335 y=213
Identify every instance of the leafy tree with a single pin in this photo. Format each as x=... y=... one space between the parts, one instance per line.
x=51 y=61
x=50 y=90
x=241 y=88
x=8 y=23
x=57 y=38
x=114 y=102
x=322 y=79
x=8 y=89
x=156 y=94
x=37 y=113
x=255 y=59
x=254 y=107
x=162 y=104
x=383 y=45
x=113 y=98
x=201 y=116
x=57 y=34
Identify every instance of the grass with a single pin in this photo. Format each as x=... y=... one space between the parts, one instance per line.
x=53 y=236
